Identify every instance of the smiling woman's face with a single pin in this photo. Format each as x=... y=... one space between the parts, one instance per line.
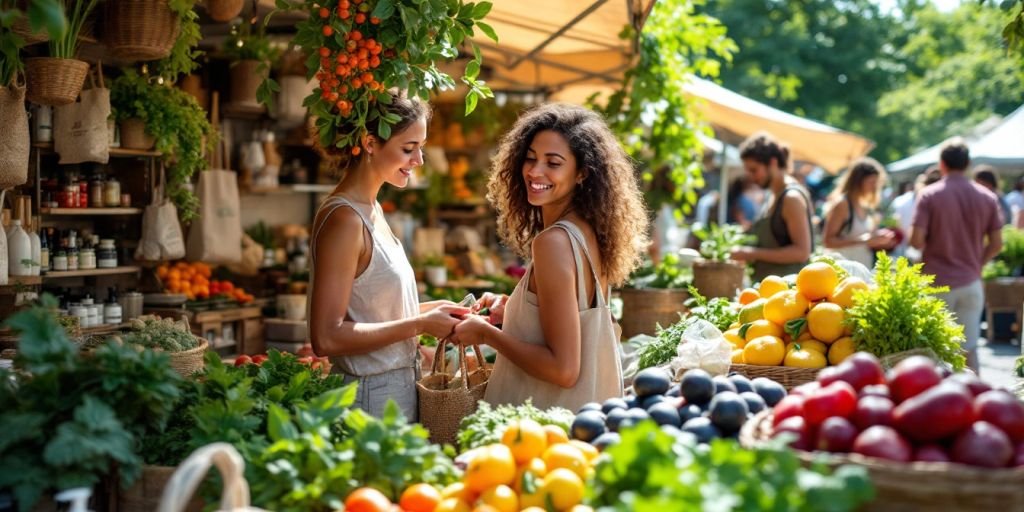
x=403 y=152
x=550 y=170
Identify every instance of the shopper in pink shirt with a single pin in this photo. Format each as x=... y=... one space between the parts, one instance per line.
x=957 y=228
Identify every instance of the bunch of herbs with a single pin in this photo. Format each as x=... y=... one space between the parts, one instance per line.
x=486 y=425
x=718 y=241
x=666 y=275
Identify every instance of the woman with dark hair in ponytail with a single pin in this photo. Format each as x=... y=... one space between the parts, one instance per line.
x=783 y=231
x=364 y=311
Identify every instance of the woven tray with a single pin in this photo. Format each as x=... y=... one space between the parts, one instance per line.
x=919 y=485
x=190 y=361
x=785 y=375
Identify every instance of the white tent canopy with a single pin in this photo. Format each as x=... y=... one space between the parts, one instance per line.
x=1002 y=147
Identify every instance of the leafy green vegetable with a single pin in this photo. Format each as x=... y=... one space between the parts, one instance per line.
x=69 y=419
x=664 y=346
x=667 y=274
x=902 y=313
x=156 y=333
x=649 y=470
x=718 y=242
x=718 y=311
x=995 y=269
x=486 y=425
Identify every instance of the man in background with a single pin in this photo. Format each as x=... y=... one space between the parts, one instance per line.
x=1015 y=200
x=903 y=210
x=985 y=175
x=957 y=227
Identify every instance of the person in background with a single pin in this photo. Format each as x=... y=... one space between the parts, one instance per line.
x=783 y=231
x=985 y=175
x=850 y=219
x=742 y=210
x=569 y=200
x=903 y=209
x=364 y=310
x=957 y=227
x=1015 y=200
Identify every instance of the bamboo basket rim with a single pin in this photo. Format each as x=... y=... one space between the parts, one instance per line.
x=804 y=375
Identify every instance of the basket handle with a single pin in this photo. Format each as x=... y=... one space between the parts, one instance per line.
x=191 y=473
x=440 y=363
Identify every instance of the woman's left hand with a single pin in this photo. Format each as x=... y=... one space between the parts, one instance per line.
x=434 y=304
x=472 y=330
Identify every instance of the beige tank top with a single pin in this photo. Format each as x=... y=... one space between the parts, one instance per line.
x=600 y=366
x=385 y=291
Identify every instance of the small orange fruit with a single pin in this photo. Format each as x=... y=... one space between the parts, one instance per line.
x=771 y=285
x=843 y=294
x=764 y=351
x=749 y=295
x=760 y=328
x=493 y=465
x=367 y=499
x=420 y=498
x=555 y=435
x=785 y=306
x=526 y=438
x=817 y=281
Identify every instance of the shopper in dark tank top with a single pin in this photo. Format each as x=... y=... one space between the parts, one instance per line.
x=783 y=231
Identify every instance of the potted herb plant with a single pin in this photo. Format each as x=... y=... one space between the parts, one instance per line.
x=655 y=297
x=177 y=124
x=715 y=274
x=250 y=53
x=58 y=78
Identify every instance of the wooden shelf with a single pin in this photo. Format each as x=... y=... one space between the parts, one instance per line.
x=114 y=152
x=300 y=188
x=90 y=211
x=93 y=272
x=104 y=329
x=243 y=111
x=23 y=281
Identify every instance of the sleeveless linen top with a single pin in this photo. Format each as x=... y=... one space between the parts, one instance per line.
x=858 y=227
x=600 y=366
x=385 y=291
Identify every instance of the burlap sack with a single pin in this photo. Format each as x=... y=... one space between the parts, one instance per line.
x=445 y=399
x=14 y=139
x=162 y=238
x=80 y=131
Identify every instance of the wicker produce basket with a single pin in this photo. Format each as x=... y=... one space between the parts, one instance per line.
x=134 y=136
x=145 y=495
x=787 y=376
x=139 y=29
x=644 y=309
x=53 y=81
x=190 y=361
x=916 y=486
x=717 y=278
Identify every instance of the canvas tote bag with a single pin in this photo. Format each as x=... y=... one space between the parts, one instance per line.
x=14 y=139
x=446 y=398
x=80 y=129
x=162 y=238
x=216 y=236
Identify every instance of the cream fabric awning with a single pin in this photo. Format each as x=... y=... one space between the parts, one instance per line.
x=735 y=117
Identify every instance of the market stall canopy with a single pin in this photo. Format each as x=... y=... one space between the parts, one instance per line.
x=735 y=117
x=548 y=45
x=1001 y=147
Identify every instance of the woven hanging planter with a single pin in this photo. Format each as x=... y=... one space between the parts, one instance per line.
x=54 y=82
x=224 y=10
x=136 y=30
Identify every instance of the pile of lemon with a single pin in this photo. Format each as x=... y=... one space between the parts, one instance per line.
x=801 y=326
x=535 y=468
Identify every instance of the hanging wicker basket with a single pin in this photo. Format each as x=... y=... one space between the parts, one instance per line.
x=717 y=278
x=643 y=309
x=224 y=10
x=54 y=82
x=134 y=136
x=136 y=30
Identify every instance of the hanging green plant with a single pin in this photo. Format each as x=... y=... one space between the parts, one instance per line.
x=184 y=56
x=177 y=122
x=41 y=14
x=361 y=50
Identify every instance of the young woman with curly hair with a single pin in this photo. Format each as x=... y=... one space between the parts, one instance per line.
x=364 y=311
x=851 y=221
x=568 y=199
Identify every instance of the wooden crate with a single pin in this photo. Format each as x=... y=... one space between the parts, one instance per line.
x=240 y=327
x=1003 y=295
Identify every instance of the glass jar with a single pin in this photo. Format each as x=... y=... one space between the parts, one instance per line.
x=106 y=255
x=87 y=259
x=60 y=262
x=69 y=198
x=112 y=193
x=96 y=191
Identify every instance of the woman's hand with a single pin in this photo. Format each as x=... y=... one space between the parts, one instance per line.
x=882 y=240
x=743 y=254
x=472 y=330
x=441 y=321
x=495 y=304
x=434 y=304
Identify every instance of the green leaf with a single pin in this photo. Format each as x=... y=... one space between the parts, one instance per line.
x=488 y=30
x=471 y=101
x=481 y=9
x=47 y=14
x=744 y=328
x=279 y=425
x=384 y=9
x=795 y=327
x=472 y=70
x=384 y=130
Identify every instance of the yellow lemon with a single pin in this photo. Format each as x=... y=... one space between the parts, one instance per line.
x=565 y=456
x=816 y=281
x=493 y=466
x=733 y=336
x=748 y=295
x=588 y=449
x=563 y=488
x=458 y=491
x=452 y=505
x=535 y=470
x=526 y=438
x=753 y=311
x=502 y=498
x=737 y=356
x=772 y=285
x=840 y=350
x=762 y=328
x=843 y=294
x=804 y=358
x=825 y=321
x=785 y=306
x=808 y=344
x=764 y=351
x=555 y=435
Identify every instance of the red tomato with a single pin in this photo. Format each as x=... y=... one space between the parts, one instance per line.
x=242 y=360
x=259 y=359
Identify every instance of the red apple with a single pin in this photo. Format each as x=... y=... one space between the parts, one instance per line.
x=911 y=377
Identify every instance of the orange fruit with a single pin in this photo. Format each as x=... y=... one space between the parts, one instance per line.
x=817 y=281
x=825 y=322
x=563 y=488
x=843 y=294
x=458 y=491
x=501 y=498
x=733 y=337
x=420 y=498
x=588 y=449
x=566 y=456
x=536 y=468
x=367 y=499
x=493 y=465
x=526 y=438
x=785 y=306
x=807 y=344
x=752 y=311
x=749 y=295
x=450 y=505
x=772 y=285
x=805 y=358
x=162 y=271
x=555 y=435
x=760 y=328
x=737 y=356
x=764 y=351
x=840 y=350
